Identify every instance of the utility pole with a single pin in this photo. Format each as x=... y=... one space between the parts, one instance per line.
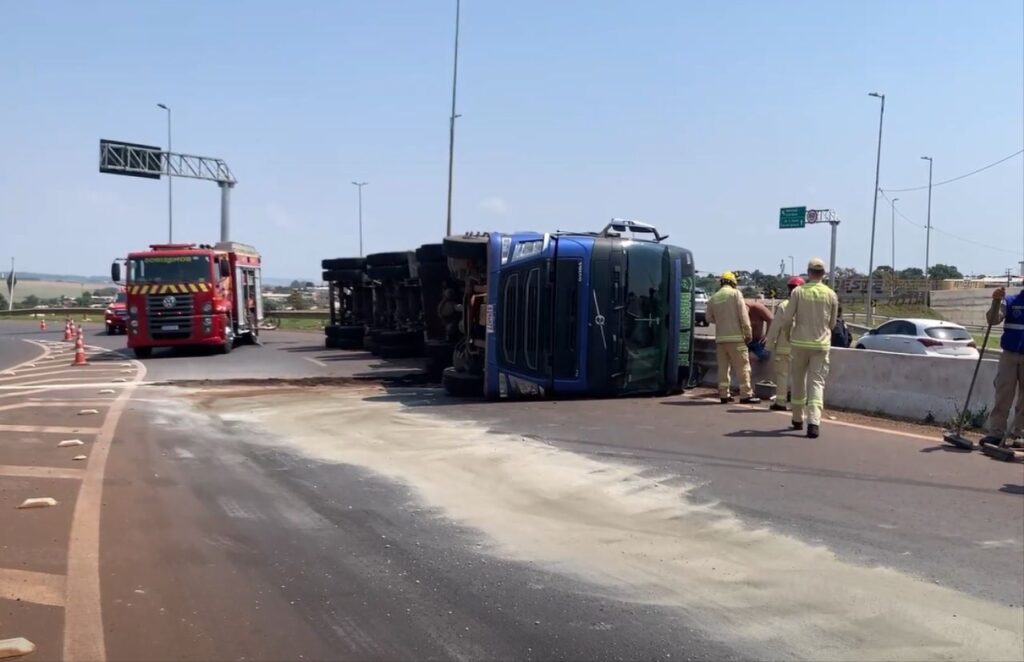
x=170 y=196
x=451 y=124
x=360 y=186
x=10 y=286
x=874 y=212
x=928 y=238
x=893 y=265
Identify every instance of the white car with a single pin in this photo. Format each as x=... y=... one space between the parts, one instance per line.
x=920 y=336
x=700 y=307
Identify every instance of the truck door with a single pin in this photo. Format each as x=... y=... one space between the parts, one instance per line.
x=523 y=320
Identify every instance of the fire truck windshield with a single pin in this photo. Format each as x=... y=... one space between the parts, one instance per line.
x=169 y=269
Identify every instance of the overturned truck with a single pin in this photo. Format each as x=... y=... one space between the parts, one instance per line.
x=524 y=314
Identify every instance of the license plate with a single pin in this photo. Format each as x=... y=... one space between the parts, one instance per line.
x=170 y=327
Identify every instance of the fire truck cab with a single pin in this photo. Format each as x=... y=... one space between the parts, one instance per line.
x=189 y=294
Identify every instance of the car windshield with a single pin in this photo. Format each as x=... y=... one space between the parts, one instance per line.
x=121 y=297
x=948 y=333
x=169 y=269
x=648 y=278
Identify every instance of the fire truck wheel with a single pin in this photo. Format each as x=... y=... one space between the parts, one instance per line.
x=349 y=276
x=229 y=339
x=344 y=263
x=430 y=253
x=466 y=248
x=393 y=259
x=143 y=352
x=389 y=272
x=462 y=384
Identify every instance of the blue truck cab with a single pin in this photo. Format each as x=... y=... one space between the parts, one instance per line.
x=572 y=313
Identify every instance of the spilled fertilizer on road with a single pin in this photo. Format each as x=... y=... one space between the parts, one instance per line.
x=630 y=535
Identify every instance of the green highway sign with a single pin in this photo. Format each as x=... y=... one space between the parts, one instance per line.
x=792 y=217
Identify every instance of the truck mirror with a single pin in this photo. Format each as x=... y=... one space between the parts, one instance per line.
x=115 y=272
x=225 y=268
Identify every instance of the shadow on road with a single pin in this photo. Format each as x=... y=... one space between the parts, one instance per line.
x=1010 y=488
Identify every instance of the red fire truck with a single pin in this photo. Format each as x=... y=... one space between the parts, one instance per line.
x=188 y=294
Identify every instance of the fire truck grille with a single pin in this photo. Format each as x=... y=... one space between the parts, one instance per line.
x=170 y=315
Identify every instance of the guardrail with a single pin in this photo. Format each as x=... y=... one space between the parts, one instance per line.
x=907 y=386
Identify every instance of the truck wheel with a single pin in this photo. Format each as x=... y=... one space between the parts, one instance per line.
x=462 y=384
x=430 y=253
x=394 y=259
x=357 y=263
x=439 y=357
x=229 y=339
x=388 y=272
x=143 y=352
x=354 y=276
x=466 y=248
x=433 y=272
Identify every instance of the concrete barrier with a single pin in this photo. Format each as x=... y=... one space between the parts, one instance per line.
x=902 y=385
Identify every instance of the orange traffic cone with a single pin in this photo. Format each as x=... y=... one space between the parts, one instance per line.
x=42 y=325
x=80 y=350
x=68 y=333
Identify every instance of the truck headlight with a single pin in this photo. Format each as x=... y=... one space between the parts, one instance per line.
x=207 y=308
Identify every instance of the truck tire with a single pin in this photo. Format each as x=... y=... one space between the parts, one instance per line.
x=397 y=351
x=352 y=276
x=388 y=272
x=394 y=259
x=466 y=248
x=430 y=253
x=397 y=338
x=433 y=272
x=229 y=338
x=143 y=352
x=344 y=263
x=439 y=356
x=462 y=384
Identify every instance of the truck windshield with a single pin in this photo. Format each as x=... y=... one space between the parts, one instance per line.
x=169 y=269
x=648 y=279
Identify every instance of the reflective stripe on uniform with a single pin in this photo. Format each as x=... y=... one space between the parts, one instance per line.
x=797 y=403
x=729 y=339
x=810 y=344
x=820 y=403
x=1014 y=327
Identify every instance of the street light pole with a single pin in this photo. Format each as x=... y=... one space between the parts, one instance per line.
x=928 y=238
x=170 y=197
x=360 y=185
x=451 y=123
x=893 y=247
x=874 y=211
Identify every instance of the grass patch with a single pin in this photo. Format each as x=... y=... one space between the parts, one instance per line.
x=887 y=310
x=301 y=324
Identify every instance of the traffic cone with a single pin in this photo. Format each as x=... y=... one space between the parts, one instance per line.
x=42 y=324
x=80 y=350
x=68 y=334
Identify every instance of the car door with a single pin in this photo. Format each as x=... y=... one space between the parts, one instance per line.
x=904 y=339
x=883 y=338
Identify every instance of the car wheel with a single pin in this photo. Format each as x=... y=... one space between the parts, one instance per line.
x=110 y=330
x=859 y=346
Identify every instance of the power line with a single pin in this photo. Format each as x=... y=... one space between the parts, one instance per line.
x=906 y=218
x=973 y=172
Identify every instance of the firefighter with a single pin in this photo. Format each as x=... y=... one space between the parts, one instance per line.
x=777 y=345
x=728 y=313
x=1010 y=374
x=810 y=317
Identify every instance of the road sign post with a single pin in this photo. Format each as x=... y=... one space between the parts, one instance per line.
x=794 y=218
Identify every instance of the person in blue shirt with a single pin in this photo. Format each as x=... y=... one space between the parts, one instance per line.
x=1009 y=382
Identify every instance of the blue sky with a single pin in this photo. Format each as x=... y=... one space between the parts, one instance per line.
x=700 y=117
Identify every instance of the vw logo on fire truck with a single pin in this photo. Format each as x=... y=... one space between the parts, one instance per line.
x=169 y=302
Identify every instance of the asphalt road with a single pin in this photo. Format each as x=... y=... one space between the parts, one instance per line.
x=331 y=528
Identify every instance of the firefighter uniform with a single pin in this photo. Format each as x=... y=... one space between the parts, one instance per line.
x=1009 y=380
x=777 y=343
x=728 y=312
x=810 y=315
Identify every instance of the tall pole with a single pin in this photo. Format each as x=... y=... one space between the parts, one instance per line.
x=451 y=123
x=360 y=186
x=832 y=257
x=874 y=213
x=10 y=286
x=225 y=210
x=928 y=238
x=170 y=180
x=892 y=289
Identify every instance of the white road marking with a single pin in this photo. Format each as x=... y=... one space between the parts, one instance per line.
x=312 y=360
x=70 y=442
x=20 y=471
x=41 y=588
x=15 y=647
x=48 y=429
x=83 y=617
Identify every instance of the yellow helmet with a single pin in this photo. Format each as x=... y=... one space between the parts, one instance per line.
x=728 y=277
